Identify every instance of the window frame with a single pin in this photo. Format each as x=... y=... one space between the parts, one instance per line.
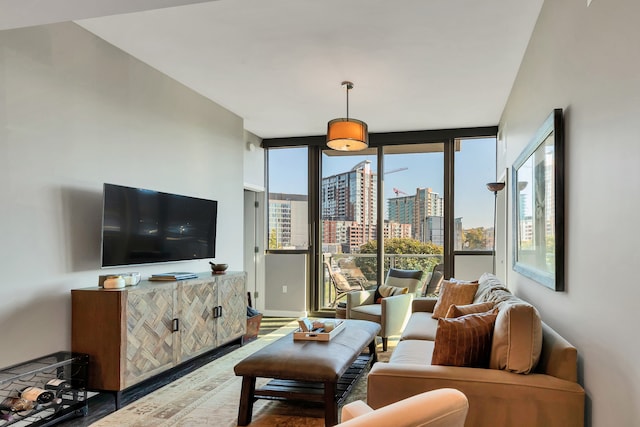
x=316 y=144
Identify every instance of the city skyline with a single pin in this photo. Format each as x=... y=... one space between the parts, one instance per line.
x=475 y=166
x=348 y=205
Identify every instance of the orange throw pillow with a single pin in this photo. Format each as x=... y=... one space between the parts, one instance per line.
x=453 y=293
x=463 y=310
x=464 y=341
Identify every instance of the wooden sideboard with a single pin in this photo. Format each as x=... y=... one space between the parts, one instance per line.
x=134 y=333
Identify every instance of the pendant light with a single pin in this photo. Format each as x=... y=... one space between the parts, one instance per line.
x=347 y=134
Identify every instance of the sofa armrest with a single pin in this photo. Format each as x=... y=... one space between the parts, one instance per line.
x=444 y=407
x=358 y=298
x=354 y=410
x=424 y=304
x=495 y=396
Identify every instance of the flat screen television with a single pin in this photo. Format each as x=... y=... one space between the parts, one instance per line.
x=142 y=226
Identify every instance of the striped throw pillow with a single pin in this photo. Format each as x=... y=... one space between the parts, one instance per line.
x=464 y=341
x=389 y=291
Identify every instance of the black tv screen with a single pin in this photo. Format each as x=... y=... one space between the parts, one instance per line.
x=143 y=226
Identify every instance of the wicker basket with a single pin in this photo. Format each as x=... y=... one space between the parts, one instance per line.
x=253 y=327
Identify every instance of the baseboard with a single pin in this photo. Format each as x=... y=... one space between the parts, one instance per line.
x=283 y=313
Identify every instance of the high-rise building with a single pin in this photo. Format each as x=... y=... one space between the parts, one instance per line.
x=349 y=207
x=395 y=230
x=336 y=235
x=421 y=211
x=434 y=230
x=348 y=212
x=428 y=219
x=288 y=219
x=401 y=209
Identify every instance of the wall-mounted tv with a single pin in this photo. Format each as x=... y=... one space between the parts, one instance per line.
x=142 y=226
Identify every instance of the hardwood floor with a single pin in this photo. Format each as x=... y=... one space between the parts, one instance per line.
x=104 y=403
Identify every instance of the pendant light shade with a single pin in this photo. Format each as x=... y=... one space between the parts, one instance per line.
x=347 y=134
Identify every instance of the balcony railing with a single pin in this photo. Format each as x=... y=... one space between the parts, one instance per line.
x=362 y=268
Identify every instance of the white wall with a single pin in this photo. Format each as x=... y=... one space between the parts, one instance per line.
x=286 y=271
x=76 y=112
x=470 y=267
x=587 y=61
x=254 y=173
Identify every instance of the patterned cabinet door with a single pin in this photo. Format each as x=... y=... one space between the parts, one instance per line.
x=232 y=297
x=150 y=339
x=197 y=326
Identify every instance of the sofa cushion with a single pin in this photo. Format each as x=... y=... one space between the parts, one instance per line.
x=413 y=352
x=463 y=310
x=453 y=293
x=517 y=338
x=464 y=341
x=370 y=312
x=421 y=326
x=385 y=290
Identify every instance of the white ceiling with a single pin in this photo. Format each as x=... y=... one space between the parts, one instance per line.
x=416 y=64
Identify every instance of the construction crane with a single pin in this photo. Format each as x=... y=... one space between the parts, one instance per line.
x=395 y=170
x=398 y=191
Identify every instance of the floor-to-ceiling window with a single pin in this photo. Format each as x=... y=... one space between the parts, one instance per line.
x=411 y=200
x=348 y=222
x=475 y=166
x=473 y=213
x=287 y=231
x=288 y=199
x=414 y=206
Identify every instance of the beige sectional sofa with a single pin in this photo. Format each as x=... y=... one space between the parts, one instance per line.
x=531 y=379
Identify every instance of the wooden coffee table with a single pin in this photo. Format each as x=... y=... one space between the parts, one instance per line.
x=305 y=370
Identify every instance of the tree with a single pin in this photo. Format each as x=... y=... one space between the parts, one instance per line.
x=475 y=239
x=399 y=246
x=273 y=239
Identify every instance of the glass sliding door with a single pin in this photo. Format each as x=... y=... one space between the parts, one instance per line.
x=414 y=207
x=412 y=200
x=348 y=221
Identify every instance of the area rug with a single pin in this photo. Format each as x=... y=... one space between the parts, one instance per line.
x=210 y=396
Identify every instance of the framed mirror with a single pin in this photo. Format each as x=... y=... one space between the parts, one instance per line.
x=538 y=208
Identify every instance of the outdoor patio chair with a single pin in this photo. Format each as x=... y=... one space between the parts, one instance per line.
x=355 y=276
x=341 y=285
x=433 y=286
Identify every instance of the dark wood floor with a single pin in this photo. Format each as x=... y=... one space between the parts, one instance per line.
x=104 y=403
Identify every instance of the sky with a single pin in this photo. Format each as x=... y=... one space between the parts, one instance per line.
x=474 y=163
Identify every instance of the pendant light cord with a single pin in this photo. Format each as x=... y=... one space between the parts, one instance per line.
x=347 y=102
x=349 y=86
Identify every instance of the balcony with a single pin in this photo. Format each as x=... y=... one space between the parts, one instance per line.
x=361 y=269
x=286 y=286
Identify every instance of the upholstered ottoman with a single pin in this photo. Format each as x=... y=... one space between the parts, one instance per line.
x=306 y=361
